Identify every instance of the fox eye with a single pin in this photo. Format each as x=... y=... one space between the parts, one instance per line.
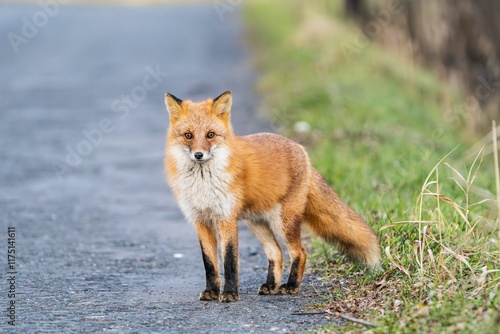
x=210 y=135
x=188 y=135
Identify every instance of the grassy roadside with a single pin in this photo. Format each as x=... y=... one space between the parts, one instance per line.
x=374 y=126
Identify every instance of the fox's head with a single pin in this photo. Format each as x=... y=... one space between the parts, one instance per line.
x=200 y=129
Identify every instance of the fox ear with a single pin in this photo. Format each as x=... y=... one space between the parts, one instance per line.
x=173 y=105
x=222 y=104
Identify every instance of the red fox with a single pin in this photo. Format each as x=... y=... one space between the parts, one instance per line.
x=264 y=179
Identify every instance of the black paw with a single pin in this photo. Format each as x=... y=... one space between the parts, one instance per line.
x=209 y=295
x=266 y=289
x=288 y=289
x=229 y=297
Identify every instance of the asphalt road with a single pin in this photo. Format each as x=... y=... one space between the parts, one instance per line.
x=100 y=243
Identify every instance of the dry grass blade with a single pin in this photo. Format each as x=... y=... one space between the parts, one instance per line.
x=456 y=172
x=497 y=172
x=470 y=180
x=457 y=207
x=483 y=142
x=427 y=183
x=422 y=247
x=397 y=265
x=459 y=257
x=405 y=222
x=457 y=183
x=481 y=202
x=447 y=250
x=431 y=256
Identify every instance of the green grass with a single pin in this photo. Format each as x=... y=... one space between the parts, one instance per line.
x=379 y=136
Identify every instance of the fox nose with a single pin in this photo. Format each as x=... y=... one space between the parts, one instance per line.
x=198 y=155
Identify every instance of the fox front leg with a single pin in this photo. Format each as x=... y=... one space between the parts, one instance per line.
x=228 y=235
x=262 y=230
x=208 y=243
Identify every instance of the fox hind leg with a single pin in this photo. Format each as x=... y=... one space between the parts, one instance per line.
x=263 y=232
x=298 y=255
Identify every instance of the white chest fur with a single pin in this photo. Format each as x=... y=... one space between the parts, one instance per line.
x=203 y=189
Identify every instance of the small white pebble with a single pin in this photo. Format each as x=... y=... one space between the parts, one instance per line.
x=178 y=255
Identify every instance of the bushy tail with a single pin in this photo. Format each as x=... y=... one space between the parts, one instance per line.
x=334 y=221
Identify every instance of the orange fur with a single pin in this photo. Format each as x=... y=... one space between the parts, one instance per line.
x=264 y=179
